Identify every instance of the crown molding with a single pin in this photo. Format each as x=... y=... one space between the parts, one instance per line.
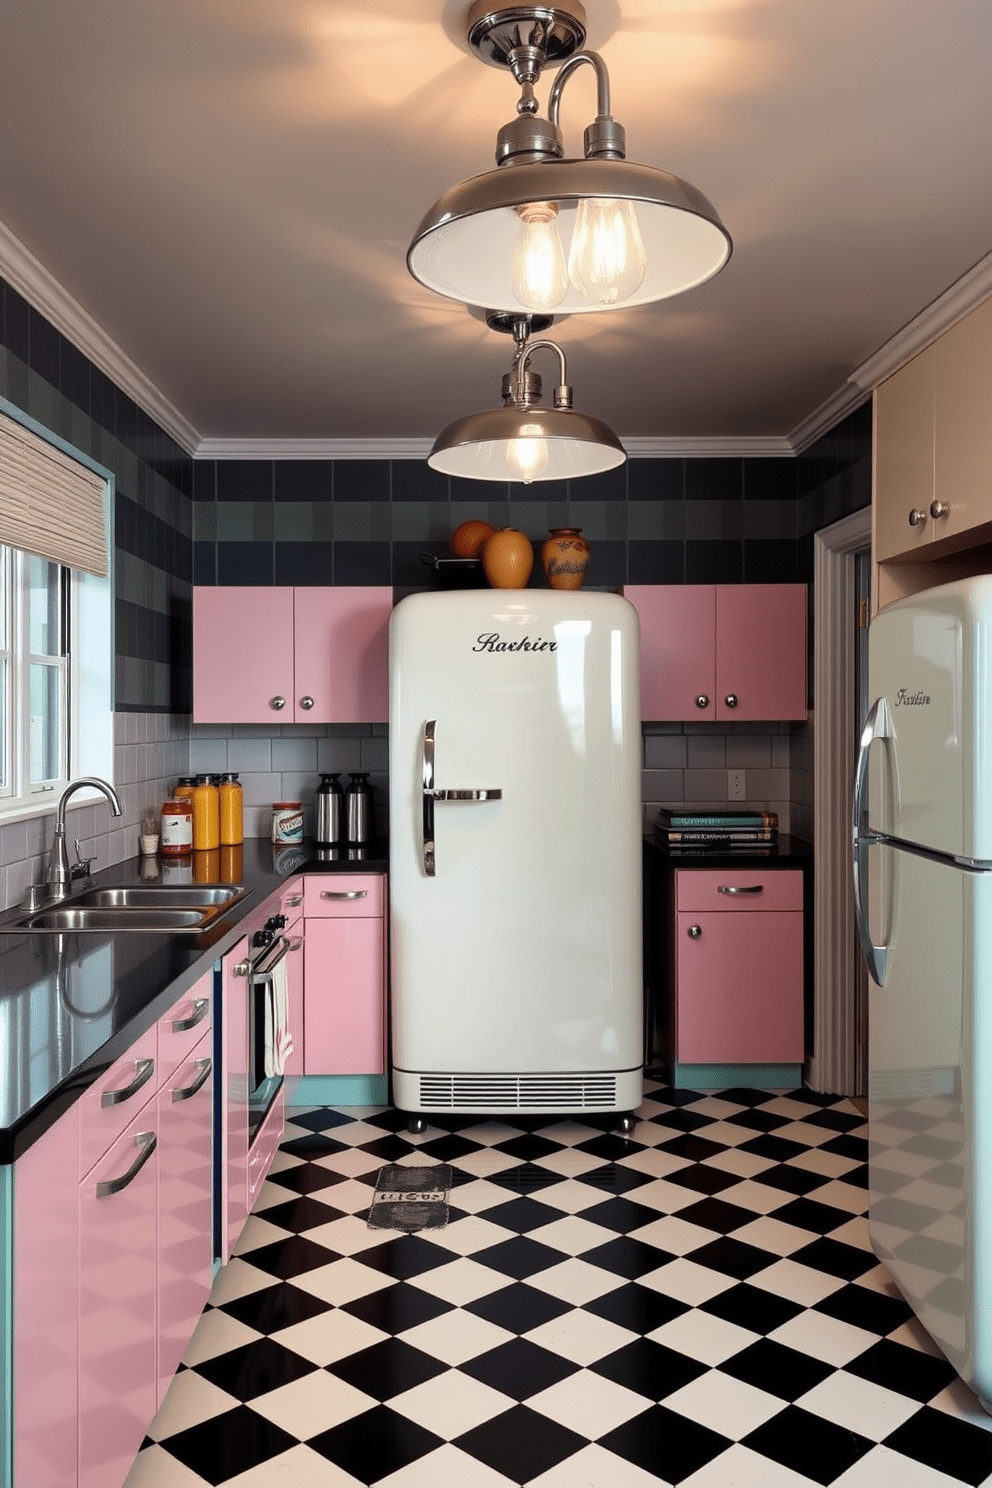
x=964 y=295
x=43 y=291
x=419 y=449
x=844 y=401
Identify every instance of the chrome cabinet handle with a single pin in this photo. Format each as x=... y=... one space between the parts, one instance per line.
x=306 y=703
x=344 y=894
x=877 y=726
x=731 y=700
x=468 y=795
x=143 y=1071
x=146 y=1142
x=694 y=932
x=702 y=701
x=740 y=888
x=293 y=903
x=187 y=1092
x=428 y=797
x=940 y=509
x=241 y=969
x=277 y=702
x=916 y=517
x=200 y=1008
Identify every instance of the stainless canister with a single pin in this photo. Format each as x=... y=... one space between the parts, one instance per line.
x=358 y=807
x=328 y=801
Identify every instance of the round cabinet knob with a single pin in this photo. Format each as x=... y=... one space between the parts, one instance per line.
x=306 y=702
x=939 y=509
x=694 y=932
x=916 y=517
x=242 y=968
x=277 y=703
x=702 y=701
x=731 y=700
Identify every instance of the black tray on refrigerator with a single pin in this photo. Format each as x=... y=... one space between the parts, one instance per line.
x=456 y=573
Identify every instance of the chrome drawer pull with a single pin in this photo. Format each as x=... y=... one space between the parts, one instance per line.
x=147 y=1141
x=201 y=1006
x=750 y=889
x=143 y=1071
x=188 y=1091
x=694 y=932
x=469 y=795
x=344 y=894
x=293 y=903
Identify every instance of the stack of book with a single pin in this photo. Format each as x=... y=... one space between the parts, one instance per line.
x=716 y=829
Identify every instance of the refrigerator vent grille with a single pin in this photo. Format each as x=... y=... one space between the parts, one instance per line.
x=518 y=1092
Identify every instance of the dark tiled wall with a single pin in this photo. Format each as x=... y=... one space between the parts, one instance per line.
x=834 y=480
x=671 y=521
x=44 y=375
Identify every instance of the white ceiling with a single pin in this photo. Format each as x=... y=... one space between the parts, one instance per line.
x=228 y=190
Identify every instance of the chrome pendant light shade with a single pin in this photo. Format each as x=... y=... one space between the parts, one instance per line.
x=464 y=248
x=523 y=441
x=542 y=233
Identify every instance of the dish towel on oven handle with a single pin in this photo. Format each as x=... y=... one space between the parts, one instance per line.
x=278 y=1035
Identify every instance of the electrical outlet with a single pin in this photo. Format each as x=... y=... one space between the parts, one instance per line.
x=736 y=790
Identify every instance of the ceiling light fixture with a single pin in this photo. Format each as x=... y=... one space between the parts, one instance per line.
x=522 y=441
x=544 y=233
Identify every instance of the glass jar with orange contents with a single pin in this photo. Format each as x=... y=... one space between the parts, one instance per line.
x=177 y=829
x=206 y=815
x=231 y=811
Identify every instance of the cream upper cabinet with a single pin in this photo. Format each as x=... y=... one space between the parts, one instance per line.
x=933 y=446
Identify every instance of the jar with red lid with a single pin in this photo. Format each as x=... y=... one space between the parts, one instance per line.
x=177 y=829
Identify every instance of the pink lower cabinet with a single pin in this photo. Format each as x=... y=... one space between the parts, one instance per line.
x=344 y=974
x=185 y=1203
x=118 y=1201
x=739 y=968
x=46 y=1305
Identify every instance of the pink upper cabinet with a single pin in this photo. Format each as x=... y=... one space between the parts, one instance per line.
x=242 y=655
x=721 y=652
x=263 y=655
x=341 y=637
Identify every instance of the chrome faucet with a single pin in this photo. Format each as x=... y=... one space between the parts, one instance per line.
x=60 y=875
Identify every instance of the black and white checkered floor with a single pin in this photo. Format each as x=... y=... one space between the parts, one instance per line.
x=695 y=1306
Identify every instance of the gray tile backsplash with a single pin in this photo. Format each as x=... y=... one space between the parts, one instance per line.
x=150 y=750
x=682 y=763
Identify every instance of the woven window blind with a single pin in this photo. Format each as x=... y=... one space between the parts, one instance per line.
x=50 y=504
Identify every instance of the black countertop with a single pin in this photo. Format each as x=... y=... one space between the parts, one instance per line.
x=72 y=1004
x=789 y=852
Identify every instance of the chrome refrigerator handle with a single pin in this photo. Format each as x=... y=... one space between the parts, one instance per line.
x=430 y=795
x=877 y=726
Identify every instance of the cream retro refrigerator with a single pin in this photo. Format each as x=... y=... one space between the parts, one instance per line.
x=515 y=852
x=923 y=877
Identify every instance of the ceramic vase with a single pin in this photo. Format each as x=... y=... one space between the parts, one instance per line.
x=565 y=555
x=508 y=558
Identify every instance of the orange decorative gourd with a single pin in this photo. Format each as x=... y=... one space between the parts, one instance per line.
x=468 y=538
x=508 y=558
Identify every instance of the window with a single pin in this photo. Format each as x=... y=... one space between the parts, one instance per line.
x=35 y=703
x=56 y=610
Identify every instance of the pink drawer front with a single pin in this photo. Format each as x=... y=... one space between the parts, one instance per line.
x=183 y=1026
x=344 y=895
x=112 y=1101
x=739 y=889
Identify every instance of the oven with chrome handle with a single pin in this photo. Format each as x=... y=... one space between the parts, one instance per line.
x=269 y=1030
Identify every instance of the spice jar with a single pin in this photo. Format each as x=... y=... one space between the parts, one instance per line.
x=287 y=821
x=177 y=829
x=231 y=799
x=206 y=815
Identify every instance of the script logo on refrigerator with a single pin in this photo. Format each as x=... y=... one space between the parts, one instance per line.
x=492 y=641
x=918 y=699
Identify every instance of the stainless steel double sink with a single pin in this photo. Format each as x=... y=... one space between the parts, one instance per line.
x=146 y=907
